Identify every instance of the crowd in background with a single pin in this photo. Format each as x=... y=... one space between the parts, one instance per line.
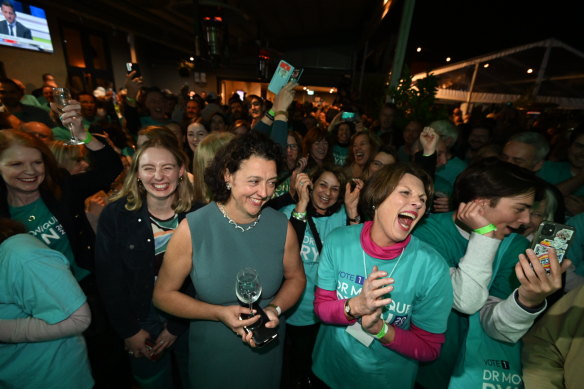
x=390 y=249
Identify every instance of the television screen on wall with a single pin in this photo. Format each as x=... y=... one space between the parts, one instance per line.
x=24 y=26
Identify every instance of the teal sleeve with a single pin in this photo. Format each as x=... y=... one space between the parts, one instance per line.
x=44 y=287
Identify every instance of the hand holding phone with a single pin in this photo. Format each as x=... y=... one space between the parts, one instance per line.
x=284 y=74
x=133 y=67
x=551 y=235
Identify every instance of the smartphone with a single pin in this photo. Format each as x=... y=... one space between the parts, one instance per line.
x=349 y=116
x=262 y=335
x=284 y=73
x=150 y=346
x=130 y=67
x=551 y=235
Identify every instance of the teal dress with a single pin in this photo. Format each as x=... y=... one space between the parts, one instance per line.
x=218 y=358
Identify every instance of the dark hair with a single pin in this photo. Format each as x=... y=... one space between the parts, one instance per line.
x=229 y=160
x=7 y=4
x=340 y=174
x=9 y=227
x=13 y=83
x=384 y=182
x=492 y=179
x=298 y=139
x=84 y=93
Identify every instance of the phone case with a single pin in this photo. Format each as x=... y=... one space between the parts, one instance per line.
x=283 y=74
x=262 y=335
x=551 y=235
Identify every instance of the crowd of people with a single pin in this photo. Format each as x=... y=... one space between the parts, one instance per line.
x=389 y=251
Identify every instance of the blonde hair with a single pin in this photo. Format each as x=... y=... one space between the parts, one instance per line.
x=67 y=155
x=206 y=151
x=134 y=191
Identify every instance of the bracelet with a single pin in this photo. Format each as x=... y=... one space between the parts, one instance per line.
x=285 y=113
x=88 y=138
x=130 y=100
x=277 y=308
x=486 y=229
x=270 y=114
x=356 y=219
x=299 y=216
x=382 y=331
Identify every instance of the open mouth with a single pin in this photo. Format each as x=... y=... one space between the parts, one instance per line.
x=406 y=219
x=161 y=187
x=28 y=180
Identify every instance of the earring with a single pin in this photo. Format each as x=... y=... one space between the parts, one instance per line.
x=180 y=179
x=373 y=207
x=228 y=185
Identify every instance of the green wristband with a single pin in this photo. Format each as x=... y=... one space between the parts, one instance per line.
x=486 y=229
x=88 y=139
x=299 y=216
x=382 y=332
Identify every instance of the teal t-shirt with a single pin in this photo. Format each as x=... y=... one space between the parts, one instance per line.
x=555 y=172
x=302 y=314
x=35 y=281
x=422 y=296
x=451 y=170
x=440 y=231
x=43 y=225
x=148 y=121
x=340 y=154
x=576 y=251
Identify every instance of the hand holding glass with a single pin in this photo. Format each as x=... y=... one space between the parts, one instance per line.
x=61 y=97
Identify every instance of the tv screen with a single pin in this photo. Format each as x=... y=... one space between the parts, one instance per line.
x=24 y=26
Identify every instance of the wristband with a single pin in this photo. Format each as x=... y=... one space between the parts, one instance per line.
x=270 y=114
x=486 y=229
x=277 y=308
x=87 y=139
x=382 y=331
x=299 y=216
x=130 y=100
x=285 y=113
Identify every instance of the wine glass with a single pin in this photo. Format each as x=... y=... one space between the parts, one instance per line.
x=61 y=97
x=248 y=287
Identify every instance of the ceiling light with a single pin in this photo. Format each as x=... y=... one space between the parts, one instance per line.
x=486 y=65
x=419 y=49
x=448 y=59
x=529 y=71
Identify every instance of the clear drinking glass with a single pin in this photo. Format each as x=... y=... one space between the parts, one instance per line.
x=248 y=287
x=61 y=97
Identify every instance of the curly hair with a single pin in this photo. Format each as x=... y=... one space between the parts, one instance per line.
x=229 y=160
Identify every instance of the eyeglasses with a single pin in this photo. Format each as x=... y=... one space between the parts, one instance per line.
x=292 y=146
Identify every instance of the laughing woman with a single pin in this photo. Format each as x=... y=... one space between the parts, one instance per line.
x=375 y=339
x=318 y=211
x=212 y=245
x=132 y=236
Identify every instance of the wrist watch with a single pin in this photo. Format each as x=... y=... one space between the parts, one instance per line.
x=277 y=308
x=348 y=309
x=356 y=219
